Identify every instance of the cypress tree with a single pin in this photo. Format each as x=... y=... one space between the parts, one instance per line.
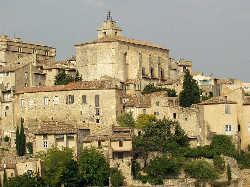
x=191 y=92
x=5 y=180
x=17 y=141
x=22 y=144
x=229 y=173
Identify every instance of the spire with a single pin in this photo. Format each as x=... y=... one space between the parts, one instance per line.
x=109 y=27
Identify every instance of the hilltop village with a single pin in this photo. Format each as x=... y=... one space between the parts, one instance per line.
x=114 y=71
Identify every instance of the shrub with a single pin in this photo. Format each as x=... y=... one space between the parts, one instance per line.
x=201 y=170
x=219 y=163
x=126 y=120
x=116 y=177
x=6 y=138
x=150 y=88
x=29 y=146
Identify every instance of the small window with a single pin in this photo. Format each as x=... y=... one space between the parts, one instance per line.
x=104 y=33
x=20 y=49
x=97 y=120
x=157 y=103
x=99 y=144
x=45 y=144
x=56 y=100
x=5 y=114
x=46 y=100
x=144 y=111
x=69 y=99
x=97 y=101
x=25 y=85
x=26 y=75
x=239 y=128
x=7 y=74
x=228 y=128
x=120 y=143
x=84 y=99
x=7 y=108
x=45 y=137
x=162 y=73
x=97 y=111
x=227 y=109
x=174 y=115
x=22 y=102
x=156 y=113
x=120 y=155
x=46 y=53
x=143 y=71
x=152 y=72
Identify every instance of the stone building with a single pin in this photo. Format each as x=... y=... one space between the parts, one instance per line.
x=93 y=104
x=131 y=61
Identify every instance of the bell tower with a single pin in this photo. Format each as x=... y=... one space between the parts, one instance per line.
x=109 y=28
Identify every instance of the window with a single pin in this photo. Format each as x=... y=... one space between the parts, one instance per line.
x=144 y=111
x=97 y=111
x=25 y=85
x=125 y=58
x=20 y=49
x=120 y=143
x=46 y=100
x=56 y=100
x=162 y=73
x=140 y=58
x=22 y=102
x=99 y=144
x=26 y=75
x=97 y=102
x=143 y=71
x=45 y=144
x=84 y=99
x=46 y=53
x=156 y=113
x=152 y=72
x=228 y=128
x=174 y=115
x=157 y=103
x=227 y=109
x=45 y=137
x=5 y=114
x=150 y=59
x=69 y=99
x=104 y=33
x=120 y=155
x=7 y=74
x=97 y=120
x=32 y=101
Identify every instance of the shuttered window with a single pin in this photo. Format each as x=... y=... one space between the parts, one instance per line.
x=97 y=100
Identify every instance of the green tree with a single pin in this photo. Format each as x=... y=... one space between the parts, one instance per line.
x=116 y=177
x=144 y=119
x=229 y=173
x=28 y=179
x=93 y=168
x=22 y=140
x=126 y=120
x=5 y=180
x=59 y=167
x=62 y=78
x=152 y=88
x=191 y=92
x=78 y=77
x=17 y=141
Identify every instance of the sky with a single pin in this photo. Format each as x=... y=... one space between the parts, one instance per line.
x=213 y=34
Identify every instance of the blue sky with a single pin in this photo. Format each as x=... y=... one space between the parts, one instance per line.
x=214 y=34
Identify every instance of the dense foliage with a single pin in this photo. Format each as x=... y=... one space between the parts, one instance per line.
x=126 y=120
x=62 y=78
x=93 y=168
x=20 y=140
x=29 y=146
x=116 y=177
x=191 y=92
x=152 y=88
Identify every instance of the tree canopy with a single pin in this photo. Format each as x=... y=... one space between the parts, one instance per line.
x=62 y=78
x=191 y=92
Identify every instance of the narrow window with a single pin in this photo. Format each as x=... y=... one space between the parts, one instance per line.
x=152 y=72
x=46 y=53
x=174 y=115
x=25 y=85
x=97 y=103
x=143 y=71
x=26 y=75
x=125 y=58
x=144 y=111
x=56 y=100
x=84 y=99
x=97 y=120
x=227 y=109
x=120 y=143
x=239 y=128
x=45 y=137
x=162 y=73
x=46 y=100
x=69 y=99
x=97 y=111
x=157 y=103
x=99 y=144
x=22 y=102
x=45 y=144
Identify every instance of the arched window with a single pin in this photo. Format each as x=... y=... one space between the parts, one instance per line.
x=125 y=58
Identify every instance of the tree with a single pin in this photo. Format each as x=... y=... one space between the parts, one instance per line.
x=191 y=92
x=5 y=180
x=62 y=78
x=60 y=167
x=144 y=119
x=78 y=77
x=116 y=177
x=93 y=168
x=126 y=120
x=28 y=179
x=22 y=140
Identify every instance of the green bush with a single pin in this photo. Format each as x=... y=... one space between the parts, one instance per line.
x=29 y=146
x=219 y=163
x=116 y=177
x=150 y=88
x=248 y=147
x=126 y=120
x=201 y=170
x=6 y=138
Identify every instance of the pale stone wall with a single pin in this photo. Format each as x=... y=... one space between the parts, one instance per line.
x=245 y=128
x=35 y=109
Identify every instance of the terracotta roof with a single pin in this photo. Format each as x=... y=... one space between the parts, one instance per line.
x=246 y=100
x=84 y=85
x=123 y=39
x=54 y=127
x=217 y=100
x=140 y=101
